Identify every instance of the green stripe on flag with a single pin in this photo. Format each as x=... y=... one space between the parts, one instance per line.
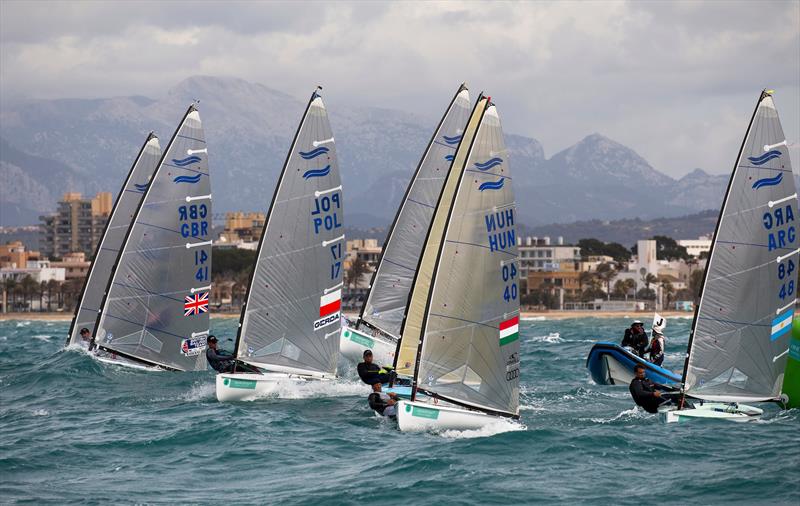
x=509 y=339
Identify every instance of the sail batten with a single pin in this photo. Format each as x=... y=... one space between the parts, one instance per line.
x=156 y=307
x=385 y=304
x=294 y=294
x=110 y=243
x=741 y=330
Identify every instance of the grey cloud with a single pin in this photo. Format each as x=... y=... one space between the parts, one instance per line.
x=661 y=77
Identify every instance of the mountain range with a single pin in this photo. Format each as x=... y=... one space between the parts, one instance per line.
x=48 y=147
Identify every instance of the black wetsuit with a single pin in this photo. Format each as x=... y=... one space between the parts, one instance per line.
x=643 y=393
x=219 y=360
x=627 y=339
x=639 y=343
x=372 y=373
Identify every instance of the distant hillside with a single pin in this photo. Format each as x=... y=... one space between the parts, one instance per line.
x=87 y=145
x=628 y=231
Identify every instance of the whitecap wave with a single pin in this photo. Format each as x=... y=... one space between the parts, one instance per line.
x=552 y=338
x=633 y=413
x=291 y=389
x=200 y=392
x=41 y=412
x=492 y=429
x=42 y=337
x=533 y=318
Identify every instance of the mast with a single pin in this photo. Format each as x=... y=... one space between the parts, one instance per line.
x=145 y=315
x=122 y=200
x=294 y=293
x=409 y=222
x=741 y=342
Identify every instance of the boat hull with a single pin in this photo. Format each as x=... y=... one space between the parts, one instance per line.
x=353 y=343
x=711 y=411
x=420 y=416
x=233 y=387
x=611 y=364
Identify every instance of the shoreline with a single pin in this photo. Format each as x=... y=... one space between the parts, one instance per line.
x=525 y=315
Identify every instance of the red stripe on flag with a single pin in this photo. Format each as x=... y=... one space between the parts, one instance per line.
x=509 y=323
x=330 y=308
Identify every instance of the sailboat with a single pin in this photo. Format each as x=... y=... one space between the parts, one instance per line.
x=460 y=338
x=378 y=324
x=110 y=243
x=290 y=322
x=154 y=312
x=739 y=342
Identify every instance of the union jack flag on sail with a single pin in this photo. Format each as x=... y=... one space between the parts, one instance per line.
x=195 y=304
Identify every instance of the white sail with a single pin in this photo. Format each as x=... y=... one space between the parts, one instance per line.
x=740 y=336
x=119 y=221
x=291 y=317
x=468 y=336
x=385 y=305
x=155 y=310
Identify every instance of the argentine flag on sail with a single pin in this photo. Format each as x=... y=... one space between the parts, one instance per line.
x=781 y=325
x=509 y=331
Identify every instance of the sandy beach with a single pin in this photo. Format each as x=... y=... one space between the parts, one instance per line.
x=547 y=315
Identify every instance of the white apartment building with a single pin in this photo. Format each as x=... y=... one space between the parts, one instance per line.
x=538 y=254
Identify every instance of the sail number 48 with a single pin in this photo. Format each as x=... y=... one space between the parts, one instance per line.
x=785 y=270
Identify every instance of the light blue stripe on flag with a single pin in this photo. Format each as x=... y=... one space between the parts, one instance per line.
x=781 y=325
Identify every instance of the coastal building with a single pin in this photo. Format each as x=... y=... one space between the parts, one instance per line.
x=367 y=250
x=538 y=254
x=557 y=283
x=39 y=270
x=13 y=254
x=696 y=247
x=76 y=226
x=75 y=265
x=243 y=227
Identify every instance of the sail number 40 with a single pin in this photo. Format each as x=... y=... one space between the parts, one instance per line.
x=509 y=272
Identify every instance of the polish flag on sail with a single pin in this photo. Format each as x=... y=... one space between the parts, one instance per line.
x=330 y=303
x=509 y=331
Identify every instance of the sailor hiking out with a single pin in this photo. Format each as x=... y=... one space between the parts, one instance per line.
x=382 y=403
x=371 y=373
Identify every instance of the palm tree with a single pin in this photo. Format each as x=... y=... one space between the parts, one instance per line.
x=357 y=269
x=51 y=286
x=606 y=272
x=29 y=286
x=669 y=291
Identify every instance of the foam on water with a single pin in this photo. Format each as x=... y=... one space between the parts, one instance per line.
x=551 y=338
x=500 y=426
x=315 y=389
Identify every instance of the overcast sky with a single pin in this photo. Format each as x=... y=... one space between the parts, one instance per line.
x=676 y=81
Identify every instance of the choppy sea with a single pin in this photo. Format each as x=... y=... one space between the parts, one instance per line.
x=73 y=430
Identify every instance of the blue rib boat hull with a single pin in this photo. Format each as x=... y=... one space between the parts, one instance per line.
x=611 y=364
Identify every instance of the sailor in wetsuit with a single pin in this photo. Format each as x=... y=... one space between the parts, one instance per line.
x=647 y=394
x=635 y=338
x=371 y=373
x=219 y=360
x=381 y=403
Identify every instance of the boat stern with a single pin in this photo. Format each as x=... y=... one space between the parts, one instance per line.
x=413 y=416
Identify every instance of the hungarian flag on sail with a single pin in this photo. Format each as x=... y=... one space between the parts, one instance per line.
x=195 y=304
x=509 y=331
x=329 y=305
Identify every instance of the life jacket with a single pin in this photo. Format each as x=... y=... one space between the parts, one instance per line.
x=376 y=403
x=655 y=347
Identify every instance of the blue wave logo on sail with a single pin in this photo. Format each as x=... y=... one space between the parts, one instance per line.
x=317 y=172
x=761 y=160
x=186 y=161
x=314 y=153
x=141 y=186
x=449 y=158
x=187 y=179
x=488 y=164
x=452 y=140
x=492 y=185
x=768 y=181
